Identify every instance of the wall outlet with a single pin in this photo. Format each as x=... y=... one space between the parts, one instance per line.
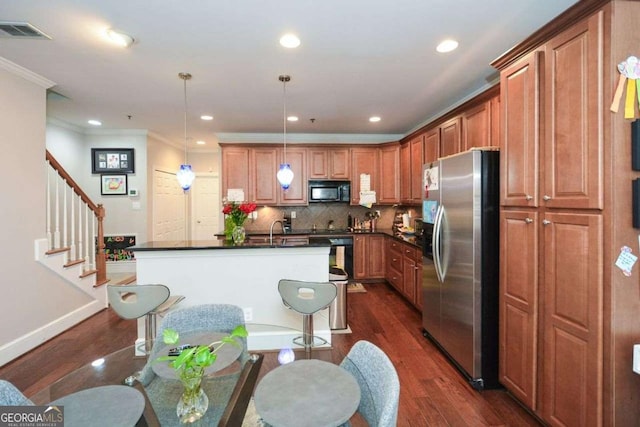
x=254 y=214
x=293 y=214
x=248 y=314
x=636 y=358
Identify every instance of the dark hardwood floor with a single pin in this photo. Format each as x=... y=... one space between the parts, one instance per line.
x=432 y=391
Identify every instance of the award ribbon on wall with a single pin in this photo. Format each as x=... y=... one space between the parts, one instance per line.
x=629 y=73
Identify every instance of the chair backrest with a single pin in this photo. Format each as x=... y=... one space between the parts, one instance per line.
x=196 y=319
x=11 y=396
x=133 y=301
x=307 y=297
x=379 y=384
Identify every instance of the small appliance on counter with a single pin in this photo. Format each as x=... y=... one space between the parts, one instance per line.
x=398 y=219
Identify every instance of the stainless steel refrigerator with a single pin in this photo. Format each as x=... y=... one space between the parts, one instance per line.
x=460 y=261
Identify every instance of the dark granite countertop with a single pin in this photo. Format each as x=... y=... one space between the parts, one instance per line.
x=288 y=242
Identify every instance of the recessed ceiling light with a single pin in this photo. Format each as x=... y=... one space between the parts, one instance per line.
x=119 y=38
x=374 y=119
x=290 y=41
x=447 y=46
x=206 y=117
x=94 y=122
x=292 y=118
x=201 y=143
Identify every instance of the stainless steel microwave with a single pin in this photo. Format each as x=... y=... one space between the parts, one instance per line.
x=329 y=191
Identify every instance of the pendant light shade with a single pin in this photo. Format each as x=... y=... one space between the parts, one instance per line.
x=285 y=174
x=185 y=175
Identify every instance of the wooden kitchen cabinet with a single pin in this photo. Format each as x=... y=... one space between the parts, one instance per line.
x=551 y=298
x=411 y=160
x=296 y=194
x=573 y=155
x=519 y=304
x=389 y=174
x=432 y=145
x=393 y=273
x=368 y=256
x=450 y=137
x=520 y=103
x=476 y=126
x=364 y=160
x=264 y=185
x=573 y=319
x=412 y=274
x=236 y=171
x=328 y=163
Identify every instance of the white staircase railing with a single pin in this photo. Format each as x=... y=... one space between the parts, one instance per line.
x=74 y=223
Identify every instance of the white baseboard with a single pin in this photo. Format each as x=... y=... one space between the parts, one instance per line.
x=31 y=340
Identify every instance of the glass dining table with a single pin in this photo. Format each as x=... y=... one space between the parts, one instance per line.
x=119 y=368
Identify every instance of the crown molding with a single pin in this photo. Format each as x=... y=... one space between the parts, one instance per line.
x=307 y=138
x=25 y=74
x=65 y=125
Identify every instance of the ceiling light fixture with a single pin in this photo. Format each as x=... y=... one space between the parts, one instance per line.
x=447 y=46
x=119 y=38
x=374 y=119
x=285 y=174
x=290 y=41
x=206 y=117
x=185 y=175
x=292 y=118
x=94 y=122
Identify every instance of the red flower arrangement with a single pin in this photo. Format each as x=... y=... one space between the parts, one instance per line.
x=238 y=213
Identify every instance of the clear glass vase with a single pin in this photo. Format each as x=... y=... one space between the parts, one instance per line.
x=239 y=234
x=193 y=403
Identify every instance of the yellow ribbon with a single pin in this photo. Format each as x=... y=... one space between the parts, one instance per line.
x=629 y=112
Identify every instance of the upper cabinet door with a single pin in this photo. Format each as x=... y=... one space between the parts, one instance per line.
x=416 y=169
x=476 y=126
x=264 y=162
x=520 y=103
x=363 y=161
x=431 y=145
x=318 y=167
x=573 y=137
x=339 y=163
x=296 y=194
x=389 y=169
x=450 y=136
x=236 y=172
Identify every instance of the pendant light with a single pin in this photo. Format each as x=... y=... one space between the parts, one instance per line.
x=285 y=174
x=185 y=175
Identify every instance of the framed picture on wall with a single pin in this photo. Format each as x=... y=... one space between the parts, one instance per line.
x=113 y=185
x=112 y=160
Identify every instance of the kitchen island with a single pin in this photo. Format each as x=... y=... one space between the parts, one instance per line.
x=217 y=272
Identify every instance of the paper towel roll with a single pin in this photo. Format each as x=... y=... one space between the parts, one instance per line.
x=406 y=220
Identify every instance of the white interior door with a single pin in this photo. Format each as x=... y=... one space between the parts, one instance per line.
x=169 y=207
x=205 y=207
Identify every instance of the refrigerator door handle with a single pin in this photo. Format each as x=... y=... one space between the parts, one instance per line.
x=437 y=235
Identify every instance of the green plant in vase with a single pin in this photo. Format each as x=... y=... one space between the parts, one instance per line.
x=190 y=364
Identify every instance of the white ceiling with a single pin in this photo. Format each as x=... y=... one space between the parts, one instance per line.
x=357 y=58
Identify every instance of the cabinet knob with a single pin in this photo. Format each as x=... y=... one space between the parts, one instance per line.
x=528 y=197
x=528 y=220
x=546 y=198
x=546 y=222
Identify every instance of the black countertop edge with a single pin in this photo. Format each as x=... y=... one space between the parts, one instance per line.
x=187 y=245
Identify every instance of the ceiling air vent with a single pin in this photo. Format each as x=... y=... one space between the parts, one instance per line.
x=22 y=30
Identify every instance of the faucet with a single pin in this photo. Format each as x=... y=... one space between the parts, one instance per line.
x=271 y=229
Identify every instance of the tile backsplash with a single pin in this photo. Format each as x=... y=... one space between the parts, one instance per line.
x=320 y=214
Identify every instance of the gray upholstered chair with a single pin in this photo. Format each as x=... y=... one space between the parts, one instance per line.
x=11 y=396
x=164 y=393
x=379 y=384
x=307 y=298
x=134 y=301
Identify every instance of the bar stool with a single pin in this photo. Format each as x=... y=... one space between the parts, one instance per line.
x=135 y=301
x=307 y=298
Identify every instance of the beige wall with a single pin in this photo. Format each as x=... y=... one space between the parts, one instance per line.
x=32 y=296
